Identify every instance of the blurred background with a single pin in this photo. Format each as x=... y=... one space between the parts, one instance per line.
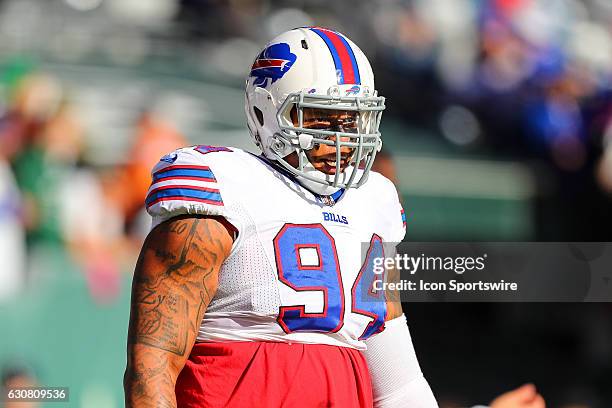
x=499 y=119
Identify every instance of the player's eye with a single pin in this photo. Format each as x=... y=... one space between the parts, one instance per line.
x=347 y=125
x=318 y=124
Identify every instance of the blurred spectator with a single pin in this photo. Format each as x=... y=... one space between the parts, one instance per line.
x=154 y=138
x=17 y=377
x=92 y=227
x=38 y=169
x=12 y=244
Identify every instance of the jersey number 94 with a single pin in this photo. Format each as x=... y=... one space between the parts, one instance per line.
x=324 y=276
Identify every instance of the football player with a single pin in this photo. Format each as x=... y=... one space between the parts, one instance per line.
x=251 y=289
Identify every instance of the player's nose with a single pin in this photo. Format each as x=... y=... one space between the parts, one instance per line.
x=325 y=150
x=342 y=139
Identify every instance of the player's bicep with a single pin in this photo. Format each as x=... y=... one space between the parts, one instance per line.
x=175 y=279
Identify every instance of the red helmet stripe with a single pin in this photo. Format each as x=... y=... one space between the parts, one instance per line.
x=343 y=56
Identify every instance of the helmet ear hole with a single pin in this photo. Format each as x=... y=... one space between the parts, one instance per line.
x=293 y=114
x=259 y=115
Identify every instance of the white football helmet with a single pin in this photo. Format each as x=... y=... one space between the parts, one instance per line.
x=314 y=67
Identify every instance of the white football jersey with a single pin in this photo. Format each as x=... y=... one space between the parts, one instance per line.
x=296 y=272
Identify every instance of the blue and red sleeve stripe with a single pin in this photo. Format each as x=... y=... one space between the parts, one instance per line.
x=183 y=183
x=201 y=173
x=184 y=193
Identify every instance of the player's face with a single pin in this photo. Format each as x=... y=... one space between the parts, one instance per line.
x=323 y=157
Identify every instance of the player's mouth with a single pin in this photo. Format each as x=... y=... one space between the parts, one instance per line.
x=328 y=166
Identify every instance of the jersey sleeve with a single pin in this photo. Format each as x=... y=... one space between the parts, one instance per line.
x=189 y=182
x=397 y=222
x=391 y=212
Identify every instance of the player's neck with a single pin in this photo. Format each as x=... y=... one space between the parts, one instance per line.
x=327 y=199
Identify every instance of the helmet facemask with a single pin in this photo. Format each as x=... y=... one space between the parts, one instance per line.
x=352 y=128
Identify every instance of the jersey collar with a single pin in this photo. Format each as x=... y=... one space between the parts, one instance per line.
x=328 y=200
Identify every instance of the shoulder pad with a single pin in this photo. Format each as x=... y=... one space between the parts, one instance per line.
x=181 y=177
x=186 y=182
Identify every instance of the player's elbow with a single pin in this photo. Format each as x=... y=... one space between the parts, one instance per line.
x=127 y=385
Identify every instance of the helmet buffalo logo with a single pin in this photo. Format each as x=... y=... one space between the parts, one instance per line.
x=354 y=90
x=273 y=63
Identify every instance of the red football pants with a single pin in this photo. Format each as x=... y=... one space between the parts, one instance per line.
x=262 y=374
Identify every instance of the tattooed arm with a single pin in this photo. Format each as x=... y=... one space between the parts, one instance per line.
x=175 y=279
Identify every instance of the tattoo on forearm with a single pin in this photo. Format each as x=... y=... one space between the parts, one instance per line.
x=175 y=280
x=164 y=326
